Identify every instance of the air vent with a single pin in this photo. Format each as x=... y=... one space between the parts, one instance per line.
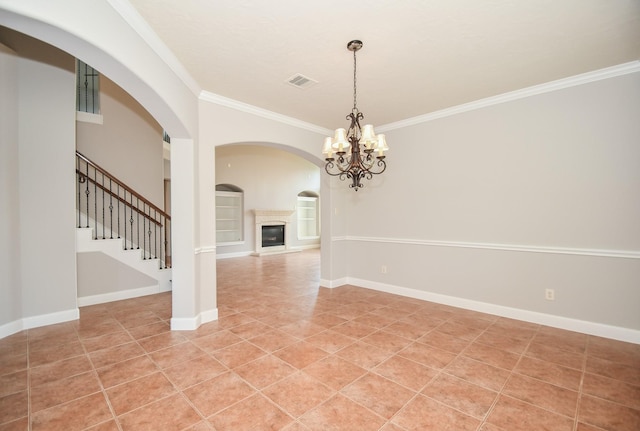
x=301 y=81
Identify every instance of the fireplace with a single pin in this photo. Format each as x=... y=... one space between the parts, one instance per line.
x=273 y=232
x=272 y=235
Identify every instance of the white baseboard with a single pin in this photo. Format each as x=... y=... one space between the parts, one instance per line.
x=37 y=321
x=120 y=295
x=11 y=328
x=253 y=253
x=308 y=247
x=330 y=284
x=230 y=255
x=583 y=326
x=209 y=316
x=192 y=323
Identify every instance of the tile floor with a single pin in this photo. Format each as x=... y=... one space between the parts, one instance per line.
x=286 y=355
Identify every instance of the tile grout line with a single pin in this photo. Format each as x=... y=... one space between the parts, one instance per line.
x=511 y=372
x=576 y=422
x=439 y=373
x=461 y=354
x=159 y=369
x=102 y=388
x=29 y=407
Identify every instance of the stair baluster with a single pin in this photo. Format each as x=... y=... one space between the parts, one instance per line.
x=155 y=222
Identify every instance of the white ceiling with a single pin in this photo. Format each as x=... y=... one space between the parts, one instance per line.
x=419 y=56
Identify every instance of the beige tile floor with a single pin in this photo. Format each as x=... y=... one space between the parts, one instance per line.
x=287 y=355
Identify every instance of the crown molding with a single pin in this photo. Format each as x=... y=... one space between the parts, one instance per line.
x=207 y=96
x=142 y=28
x=585 y=78
x=126 y=10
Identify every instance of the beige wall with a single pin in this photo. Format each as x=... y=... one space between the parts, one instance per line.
x=40 y=184
x=10 y=292
x=99 y=274
x=498 y=204
x=128 y=144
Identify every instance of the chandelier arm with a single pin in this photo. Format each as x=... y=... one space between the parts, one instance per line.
x=330 y=165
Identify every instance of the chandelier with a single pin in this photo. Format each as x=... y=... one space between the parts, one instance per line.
x=359 y=152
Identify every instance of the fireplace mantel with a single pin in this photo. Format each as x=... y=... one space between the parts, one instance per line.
x=263 y=216
x=273 y=217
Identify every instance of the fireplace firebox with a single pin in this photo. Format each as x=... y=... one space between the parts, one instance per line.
x=272 y=232
x=272 y=235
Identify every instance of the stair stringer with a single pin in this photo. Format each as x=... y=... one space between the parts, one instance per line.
x=114 y=248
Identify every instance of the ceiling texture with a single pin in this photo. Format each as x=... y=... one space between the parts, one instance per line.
x=419 y=56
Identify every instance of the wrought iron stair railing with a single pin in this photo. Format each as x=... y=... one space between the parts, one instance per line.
x=116 y=211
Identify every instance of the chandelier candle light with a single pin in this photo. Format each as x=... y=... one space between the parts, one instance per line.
x=355 y=147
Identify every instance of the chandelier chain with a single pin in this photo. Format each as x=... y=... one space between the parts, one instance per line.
x=354 y=82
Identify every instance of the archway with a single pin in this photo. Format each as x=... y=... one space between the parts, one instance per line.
x=140 y=71
x=271 y=178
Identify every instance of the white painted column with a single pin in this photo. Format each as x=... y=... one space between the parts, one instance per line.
x=206 y=232
x=193 y=234
x=184 y=283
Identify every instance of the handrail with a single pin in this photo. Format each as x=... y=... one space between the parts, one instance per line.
x=118 y=211
x=123 y=185
x=133 y=208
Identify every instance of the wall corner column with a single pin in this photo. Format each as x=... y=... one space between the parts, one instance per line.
x=183 y=212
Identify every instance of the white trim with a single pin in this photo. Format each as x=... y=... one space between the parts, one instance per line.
x=331 y=284
x=230 y=255
x=144 y=30
x=209 y=316
x=120 y=295
x=192 y=323
x=88 y=117
x=185 y=323
x=624 y=254
x=50 y=319
x=205 y=249
x=585 y=78
x=308 y=246
x=37 y=321
x=582 y=326
x=11 y=328
x=229 y=243
x=207 y=96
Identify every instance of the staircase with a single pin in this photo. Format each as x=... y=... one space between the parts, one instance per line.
x=123 y=241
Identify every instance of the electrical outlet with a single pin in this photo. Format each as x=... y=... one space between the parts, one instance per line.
x=550 y=294
x=383 y=269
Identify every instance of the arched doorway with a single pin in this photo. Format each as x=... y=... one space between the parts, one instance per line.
x=139 y=70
